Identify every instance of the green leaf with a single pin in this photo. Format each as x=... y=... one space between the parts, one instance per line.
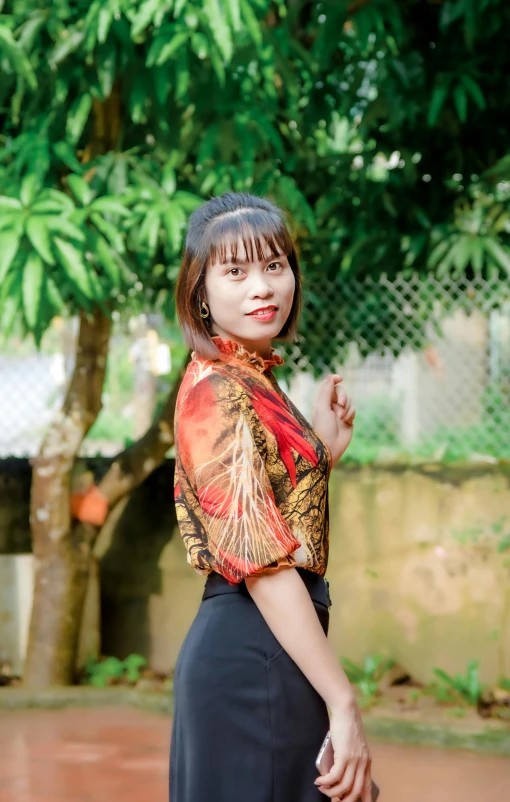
x=460 y=100
x=70 y=41
x=77 y=117
x=8 y=251
x=10 y=302
x=65 y=226
x=219 y=27
x=104 y=22
x=9 y=203
x=149 y=230
x=107 y=260
x=174 y=221
x=33 y=273
x=436 y=104
x=51 y=200
x=72 y=262
x=37 y=231
x=474 y=90
x=80 y=189
x=106 y=60
x=17 y=56
x=234 y=14
x=171 y=47
x=110 y=205
x=53 y=294
x=251 y=22
x=67 y=155
x=110 y=231
x=144 y=17
x=29 y=187
x=499 y=254
x=187 y=200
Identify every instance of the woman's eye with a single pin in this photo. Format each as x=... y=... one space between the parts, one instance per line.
x=232 y=269
x=276 y=265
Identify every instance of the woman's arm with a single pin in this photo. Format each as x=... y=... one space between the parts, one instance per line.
x=285 y=604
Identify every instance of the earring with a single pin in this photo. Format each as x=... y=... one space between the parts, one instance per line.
x=204 y=310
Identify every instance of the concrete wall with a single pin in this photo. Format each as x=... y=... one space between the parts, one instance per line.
x=414 y=569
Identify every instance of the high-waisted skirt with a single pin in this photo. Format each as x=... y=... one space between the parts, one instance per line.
x=247 y=724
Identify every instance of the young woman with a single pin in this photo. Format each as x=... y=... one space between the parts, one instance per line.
x=256 y=674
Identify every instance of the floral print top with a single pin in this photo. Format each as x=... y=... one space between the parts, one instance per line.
x=251 y=474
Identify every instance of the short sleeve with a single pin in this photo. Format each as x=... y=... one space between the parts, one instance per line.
x=217 y=442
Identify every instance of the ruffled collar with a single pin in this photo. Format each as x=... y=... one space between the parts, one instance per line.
x=235 y=350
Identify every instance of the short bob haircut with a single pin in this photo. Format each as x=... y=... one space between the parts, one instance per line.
x=214 y=231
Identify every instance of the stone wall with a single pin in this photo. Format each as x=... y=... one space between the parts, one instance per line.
x=415 y=570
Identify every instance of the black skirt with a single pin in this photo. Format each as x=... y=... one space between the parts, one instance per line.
x=247 y=723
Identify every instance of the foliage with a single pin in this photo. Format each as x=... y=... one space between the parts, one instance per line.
x=101 y=673
x=465 y=686
x=379 y=125
x=367 y=677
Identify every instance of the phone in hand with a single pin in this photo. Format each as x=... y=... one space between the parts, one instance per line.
x=325 y=760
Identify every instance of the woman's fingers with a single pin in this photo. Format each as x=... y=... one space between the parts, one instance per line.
x=346 y=782
x=333 y=777
x=359 y=785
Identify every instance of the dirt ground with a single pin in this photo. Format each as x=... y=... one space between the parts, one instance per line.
x=110 y=754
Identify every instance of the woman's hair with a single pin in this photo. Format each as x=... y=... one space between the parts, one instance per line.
x=215 y=229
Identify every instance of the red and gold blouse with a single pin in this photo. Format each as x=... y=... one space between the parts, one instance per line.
x=251 y=475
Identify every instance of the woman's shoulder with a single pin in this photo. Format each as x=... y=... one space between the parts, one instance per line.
x=208 y=381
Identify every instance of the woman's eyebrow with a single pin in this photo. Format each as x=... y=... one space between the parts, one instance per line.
x=249 y=262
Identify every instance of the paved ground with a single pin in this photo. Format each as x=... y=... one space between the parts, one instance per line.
x=120 y=755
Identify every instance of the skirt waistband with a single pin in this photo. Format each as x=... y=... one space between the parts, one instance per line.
x=317 y=586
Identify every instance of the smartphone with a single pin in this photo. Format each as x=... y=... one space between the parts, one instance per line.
x=325 y=760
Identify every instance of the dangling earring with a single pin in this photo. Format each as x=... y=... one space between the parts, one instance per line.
x=204 y=310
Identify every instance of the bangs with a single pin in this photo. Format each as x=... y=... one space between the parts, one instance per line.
x=244 y=236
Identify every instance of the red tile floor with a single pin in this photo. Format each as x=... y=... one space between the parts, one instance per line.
x=121 y=755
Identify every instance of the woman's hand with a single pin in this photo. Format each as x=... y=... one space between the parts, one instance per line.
x=333 y=416
x=350 y=778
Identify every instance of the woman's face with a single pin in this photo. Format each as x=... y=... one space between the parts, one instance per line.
x=234 y=293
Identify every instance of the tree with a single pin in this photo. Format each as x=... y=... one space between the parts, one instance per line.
x=390 y=154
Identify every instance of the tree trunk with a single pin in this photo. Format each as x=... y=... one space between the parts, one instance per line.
x=62 y=557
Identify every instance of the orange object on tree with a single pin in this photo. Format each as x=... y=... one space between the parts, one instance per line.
x=90 y=506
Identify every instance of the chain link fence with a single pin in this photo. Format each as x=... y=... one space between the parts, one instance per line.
x=427 y=362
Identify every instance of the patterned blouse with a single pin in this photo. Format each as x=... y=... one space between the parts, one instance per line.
x=251 y=475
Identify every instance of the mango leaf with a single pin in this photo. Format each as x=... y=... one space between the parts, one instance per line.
x=174 y=221
x=72 y=262
x=37 y=231
x=33 y=272
x=187 y=200
x=68 y=44
x=51 y=200
x=106 y=61
x=171 y=47
x=9 y=203
x=234 y=14
x=474 y=90
x=110 y=205
x=67 y=156
x=8 y=251
x=219 y=28
x=104 y=22
x=29 y=187
x=53 y=294
x=17 y=57
x=65 y=226
x=149 y=230
x=460 y=100
x=436 y=104
x=144 y=17
x=77 y=117
x=110 y=232
x=251 y=22
x=107 y=260
x=80 y=189
x=500 y=255
x=10 y=302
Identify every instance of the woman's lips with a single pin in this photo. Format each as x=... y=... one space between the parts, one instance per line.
x=265 y=314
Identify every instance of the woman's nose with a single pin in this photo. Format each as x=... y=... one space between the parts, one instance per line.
x=261 y=288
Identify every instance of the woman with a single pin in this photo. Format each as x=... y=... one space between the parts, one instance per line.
x=256 y=674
